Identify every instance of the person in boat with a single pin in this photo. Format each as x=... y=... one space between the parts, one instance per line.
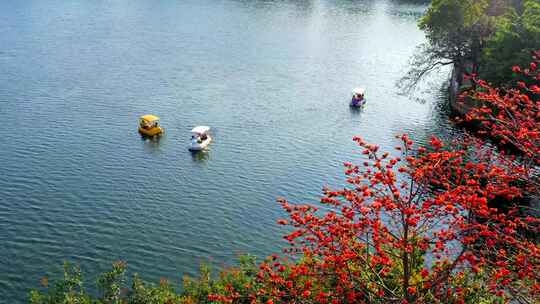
x=198 y=139
x=357 y=99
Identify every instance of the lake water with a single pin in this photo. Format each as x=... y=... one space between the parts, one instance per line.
x=273 y=80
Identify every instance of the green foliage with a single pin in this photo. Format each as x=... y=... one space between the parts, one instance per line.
x=240 y=279
x=113 y=289
x=143 y=293
x=516 y=37
x=485 y=37
x=110 y=283
x=446 y=16
x=456 y=29
x=69 y=290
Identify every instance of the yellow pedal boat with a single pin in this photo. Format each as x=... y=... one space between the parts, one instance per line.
x=149 y=125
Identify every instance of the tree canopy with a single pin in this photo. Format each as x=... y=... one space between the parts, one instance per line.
x=483 y=37
x=516 y=36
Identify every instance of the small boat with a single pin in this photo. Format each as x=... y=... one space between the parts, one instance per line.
x=149 y=125
x=199 y=138
x=358 y=98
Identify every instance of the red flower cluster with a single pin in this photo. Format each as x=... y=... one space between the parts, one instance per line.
x=512 y=115
x=410 y=228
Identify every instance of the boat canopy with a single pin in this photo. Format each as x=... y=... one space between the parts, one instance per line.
x=149 y=118
x=359 y=91
x=200 y=129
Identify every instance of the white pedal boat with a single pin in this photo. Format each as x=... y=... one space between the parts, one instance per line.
x=358 y=97
x=200 y=138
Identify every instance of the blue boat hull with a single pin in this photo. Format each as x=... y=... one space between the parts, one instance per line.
x=357 y=103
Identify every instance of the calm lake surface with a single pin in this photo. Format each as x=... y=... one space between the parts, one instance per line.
x=273 y=80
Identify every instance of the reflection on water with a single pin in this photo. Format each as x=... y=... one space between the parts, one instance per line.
x=357 y=110
x=201 y=156
x=151 y=144
x=274 y=77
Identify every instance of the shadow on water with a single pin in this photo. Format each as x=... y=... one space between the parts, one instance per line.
x=356 y=110
x=441 y=123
